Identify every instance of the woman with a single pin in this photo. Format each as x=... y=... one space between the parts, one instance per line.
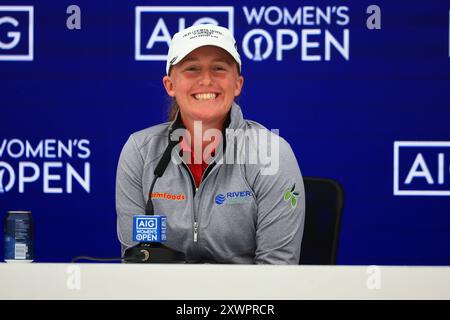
x=222 y=206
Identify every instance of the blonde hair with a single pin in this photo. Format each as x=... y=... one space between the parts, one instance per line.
x=174 y=107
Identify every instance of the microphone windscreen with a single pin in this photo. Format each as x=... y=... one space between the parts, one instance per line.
x=149 y=228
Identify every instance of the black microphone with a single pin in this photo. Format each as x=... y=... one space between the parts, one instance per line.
x=159 y=171
x=165 y=159
x=155 y=252
x=149 y=252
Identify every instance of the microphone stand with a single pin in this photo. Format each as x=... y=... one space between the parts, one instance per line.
x=154 y=252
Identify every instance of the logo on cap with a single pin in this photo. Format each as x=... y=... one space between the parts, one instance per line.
x=173 y=60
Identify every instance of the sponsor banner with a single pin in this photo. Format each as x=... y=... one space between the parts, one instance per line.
x=273 y=33
x=47 y=165
x=422 y=168
x=16 y=33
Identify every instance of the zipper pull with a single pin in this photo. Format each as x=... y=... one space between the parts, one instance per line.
x=195 y=231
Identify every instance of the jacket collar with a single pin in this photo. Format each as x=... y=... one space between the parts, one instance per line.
x=234 y=120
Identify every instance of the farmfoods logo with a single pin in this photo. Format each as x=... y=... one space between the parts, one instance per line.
x=48 y=165
x=168 y=196
x=234 y=197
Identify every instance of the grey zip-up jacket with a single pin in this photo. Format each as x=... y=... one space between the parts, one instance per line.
x=246 y=211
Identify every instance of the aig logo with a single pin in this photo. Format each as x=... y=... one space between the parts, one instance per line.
x=146 y=223
x=155 y=26
x=16 y=33
x=422 y=168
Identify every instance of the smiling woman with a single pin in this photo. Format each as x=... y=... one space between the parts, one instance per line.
x=228 y=211
x=204 y=84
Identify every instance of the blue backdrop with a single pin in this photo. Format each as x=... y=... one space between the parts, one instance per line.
x=340 y=93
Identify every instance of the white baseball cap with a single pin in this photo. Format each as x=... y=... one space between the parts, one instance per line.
x=189 y=39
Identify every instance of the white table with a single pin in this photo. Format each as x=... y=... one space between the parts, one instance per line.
x=220 y=282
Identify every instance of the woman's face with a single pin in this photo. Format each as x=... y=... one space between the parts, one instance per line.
x=204 y=84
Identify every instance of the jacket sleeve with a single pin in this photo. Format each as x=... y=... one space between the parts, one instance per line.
x=280 y=199
x=129 y=196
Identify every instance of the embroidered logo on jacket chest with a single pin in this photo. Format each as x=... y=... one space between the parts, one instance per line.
x=168 y=196
x=233 y=197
